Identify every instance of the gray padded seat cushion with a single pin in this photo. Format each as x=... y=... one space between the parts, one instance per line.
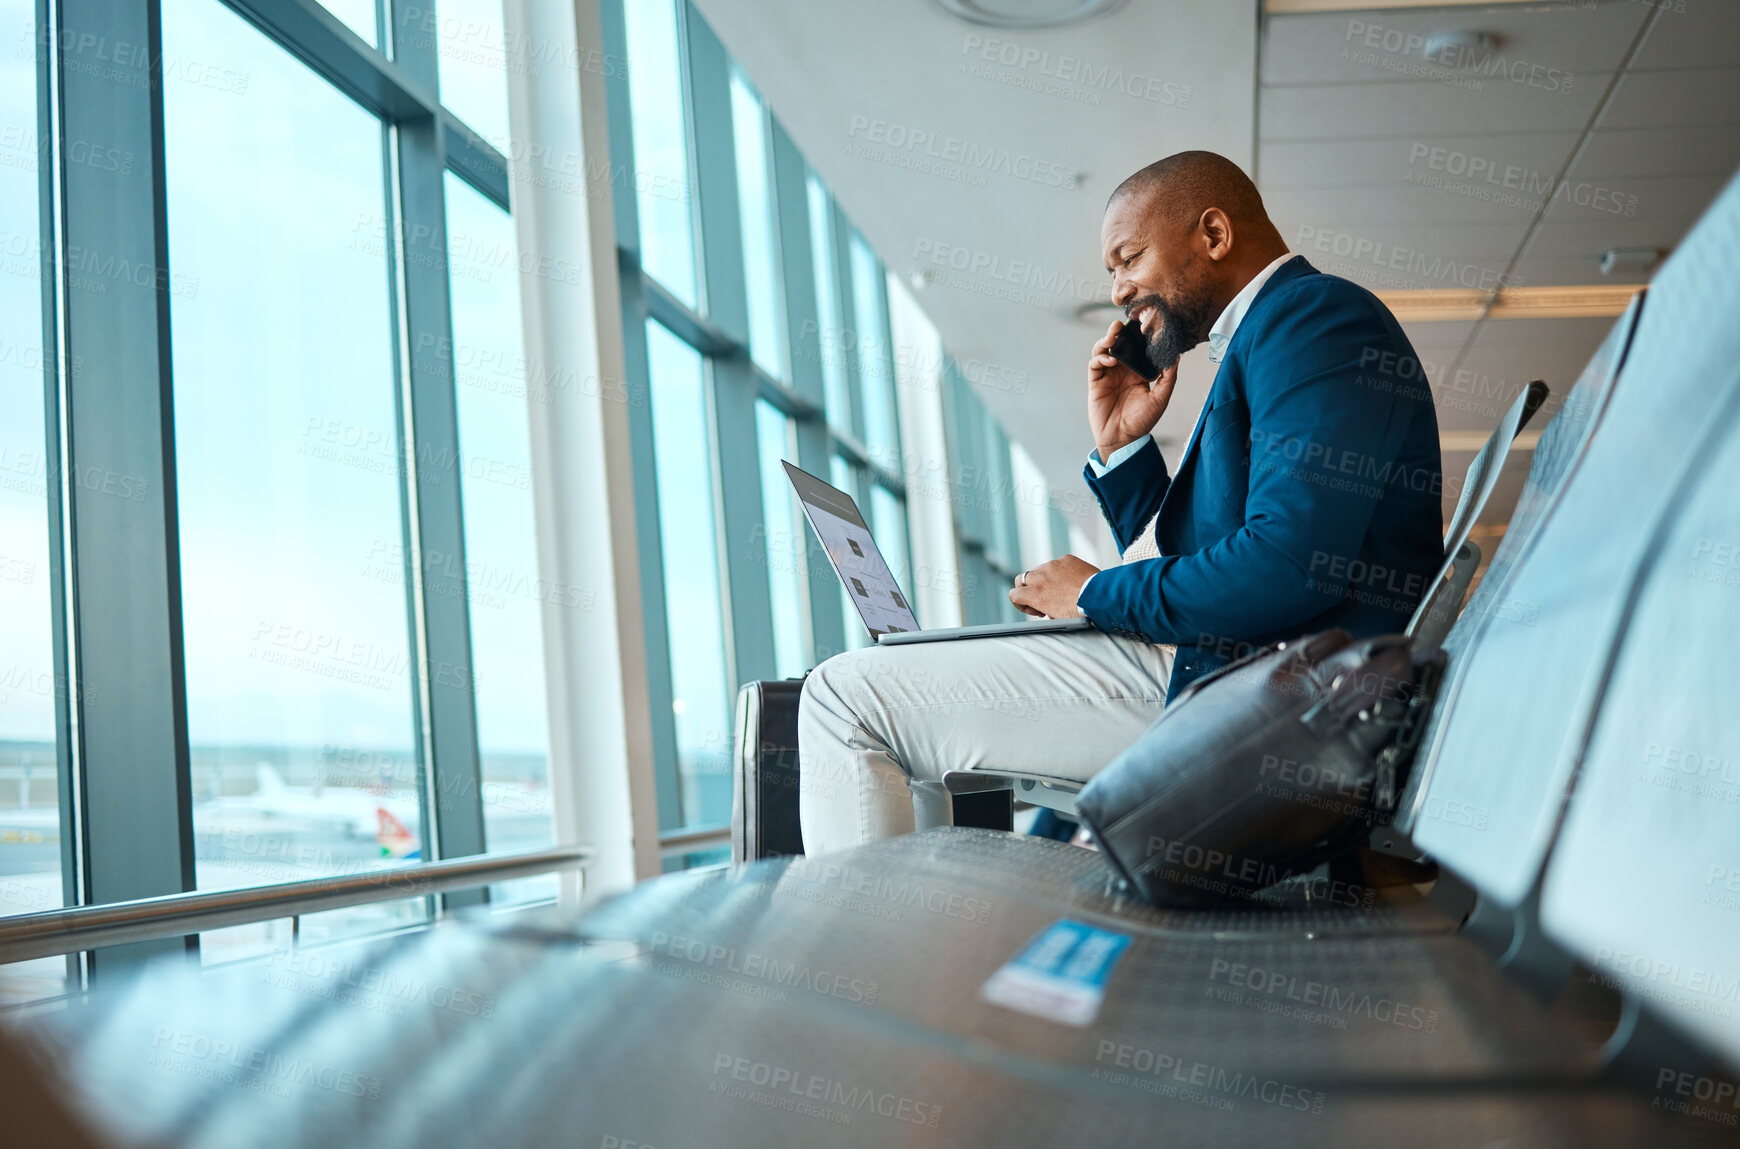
x=859 y=972
x=1644 y=882
x=1517 y=721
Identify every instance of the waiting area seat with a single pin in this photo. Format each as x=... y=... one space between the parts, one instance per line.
x=835 y=1001
x=1577 y=777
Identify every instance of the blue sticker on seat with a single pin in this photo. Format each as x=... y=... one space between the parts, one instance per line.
x=1061 y=975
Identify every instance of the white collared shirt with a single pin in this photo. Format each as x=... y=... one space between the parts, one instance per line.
x=1218 y=337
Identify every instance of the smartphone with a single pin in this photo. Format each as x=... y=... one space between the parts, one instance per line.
x=1131 y=349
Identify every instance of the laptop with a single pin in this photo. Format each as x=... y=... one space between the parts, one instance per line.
x=870 y=584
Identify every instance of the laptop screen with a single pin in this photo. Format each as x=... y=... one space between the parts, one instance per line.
x=868 y=581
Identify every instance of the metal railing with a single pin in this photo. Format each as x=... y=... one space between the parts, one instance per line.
x=675 y=843
x=173 y=915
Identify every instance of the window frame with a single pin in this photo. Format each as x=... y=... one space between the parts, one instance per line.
x=126 y=809
x=721 y=335
x=121 y=725
x=983 y=497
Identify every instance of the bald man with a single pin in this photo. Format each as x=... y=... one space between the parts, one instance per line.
x=1308 y=497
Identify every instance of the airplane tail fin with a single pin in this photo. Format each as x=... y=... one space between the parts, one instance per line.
x=395 y=839
x=271 y=783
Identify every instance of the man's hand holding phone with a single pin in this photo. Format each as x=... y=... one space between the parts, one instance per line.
x=1122 y=405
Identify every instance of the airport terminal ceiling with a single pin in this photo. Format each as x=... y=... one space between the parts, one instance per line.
x=977 y=160
x=1512 y=153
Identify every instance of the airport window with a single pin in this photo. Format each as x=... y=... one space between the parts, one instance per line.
x=662 y=182
x=694 y=607
x=299 y=703
x=784 y=537
x=338 y=662
x=760 y=251
x=506 y=591
x=772 y=321
x=360 y=16
x=473 y=56
x=984 y=501
x=888 y=525
x=31 y=780
x=1003 y=546
x=870 y=340
x=236 y=420
x=829 y=320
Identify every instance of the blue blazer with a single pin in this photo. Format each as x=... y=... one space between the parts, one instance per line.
x=1308 y=497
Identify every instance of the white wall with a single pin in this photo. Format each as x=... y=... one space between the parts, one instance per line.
x=601 y=769
x=918 y=361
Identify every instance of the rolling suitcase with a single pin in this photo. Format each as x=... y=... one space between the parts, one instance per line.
x=764 y=800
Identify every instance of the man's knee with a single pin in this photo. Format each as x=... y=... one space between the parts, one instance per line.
x=838 y=720
x=839 y=684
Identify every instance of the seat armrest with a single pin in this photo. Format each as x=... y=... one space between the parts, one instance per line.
x=1437 y=612
x=1038 y=789
x=933 y=802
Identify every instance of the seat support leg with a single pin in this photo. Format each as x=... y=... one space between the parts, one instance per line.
x=1533 y=960
x=1646 y=1055
x=933 y=805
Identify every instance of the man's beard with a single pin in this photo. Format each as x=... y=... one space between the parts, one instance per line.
x=1179 y=324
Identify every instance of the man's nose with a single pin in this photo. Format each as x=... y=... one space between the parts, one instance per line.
x=1122 y=290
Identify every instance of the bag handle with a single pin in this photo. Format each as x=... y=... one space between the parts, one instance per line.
x=1350 y=695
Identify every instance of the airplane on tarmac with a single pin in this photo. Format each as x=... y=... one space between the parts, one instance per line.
x=354 y=811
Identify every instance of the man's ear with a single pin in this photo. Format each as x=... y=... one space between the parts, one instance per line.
x=1217 y=229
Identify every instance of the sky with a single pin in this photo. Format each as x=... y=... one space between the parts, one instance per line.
x=281 y=324
x=26 y=654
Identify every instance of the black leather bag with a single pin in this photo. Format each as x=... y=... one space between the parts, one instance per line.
x=1263 y=769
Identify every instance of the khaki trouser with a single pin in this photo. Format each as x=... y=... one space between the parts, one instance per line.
x=871 y=720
